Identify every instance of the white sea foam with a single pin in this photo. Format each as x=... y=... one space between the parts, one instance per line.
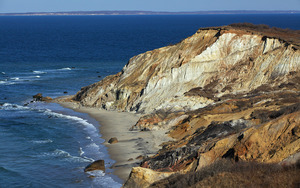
x=61 y=153
x=96 y=173
x=3 y=73
x=2 y=82
x=90 y=149
x=14 y=80
x=42 y=141
x=64 y=155
x=84 y=122
x=39 y=72
x=67 y=68
x=17 y=80
x=30 y=78
x=68 y=157
x=81 y=152
x=104 y=181
x=9 y=106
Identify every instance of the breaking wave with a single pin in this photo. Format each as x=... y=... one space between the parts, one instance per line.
x=39 y=72
x=74 y=118
x=5 y=82
x=67 y=68
x=42 y=141
x=9 y=106
x=89 y=148
x=66 y=156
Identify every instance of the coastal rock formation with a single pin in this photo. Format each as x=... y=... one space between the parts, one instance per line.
x=96 y=165
x=226 y=93
x=39 y=97
x=144 y=177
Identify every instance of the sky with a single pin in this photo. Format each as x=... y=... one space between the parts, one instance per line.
x=21 y=6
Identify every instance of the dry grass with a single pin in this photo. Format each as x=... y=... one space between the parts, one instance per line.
x=287 y=35
x=225 y=173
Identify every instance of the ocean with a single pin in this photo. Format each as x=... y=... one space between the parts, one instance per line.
x=46 y=145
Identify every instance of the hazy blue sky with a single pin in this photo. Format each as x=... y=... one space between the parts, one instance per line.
x=155 y=5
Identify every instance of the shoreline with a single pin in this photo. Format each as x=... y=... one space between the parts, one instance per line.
x=131 y=145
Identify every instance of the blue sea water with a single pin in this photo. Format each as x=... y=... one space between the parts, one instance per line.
x=46 y=145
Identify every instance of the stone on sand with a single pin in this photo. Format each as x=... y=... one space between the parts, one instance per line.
x=113 y=140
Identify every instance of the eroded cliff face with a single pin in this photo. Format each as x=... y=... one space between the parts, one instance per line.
x=262 y=127
x=195 y=72
x=224 y=93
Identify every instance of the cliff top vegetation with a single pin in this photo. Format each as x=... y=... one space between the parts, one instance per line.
x=288 y=35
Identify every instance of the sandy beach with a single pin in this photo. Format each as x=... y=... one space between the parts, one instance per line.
x=131 y=144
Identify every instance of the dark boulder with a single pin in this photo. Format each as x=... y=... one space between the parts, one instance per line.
x=38 y=97
x=113 y=140
x=96 y=165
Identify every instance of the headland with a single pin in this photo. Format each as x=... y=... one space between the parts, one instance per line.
x=229 y=97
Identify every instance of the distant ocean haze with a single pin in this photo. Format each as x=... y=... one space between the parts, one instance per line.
x=46 y=145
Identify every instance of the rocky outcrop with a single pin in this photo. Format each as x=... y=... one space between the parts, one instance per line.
x=227 y=93
x=143 y=177
x=232 y=131
x=39 y=97
x=96 y=165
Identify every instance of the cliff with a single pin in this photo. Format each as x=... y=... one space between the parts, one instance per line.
x=224 y=93
x=195 y=72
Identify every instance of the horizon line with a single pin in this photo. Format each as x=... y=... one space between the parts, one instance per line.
x=147 y=12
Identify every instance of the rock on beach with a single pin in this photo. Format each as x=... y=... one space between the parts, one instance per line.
x=96 y=165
